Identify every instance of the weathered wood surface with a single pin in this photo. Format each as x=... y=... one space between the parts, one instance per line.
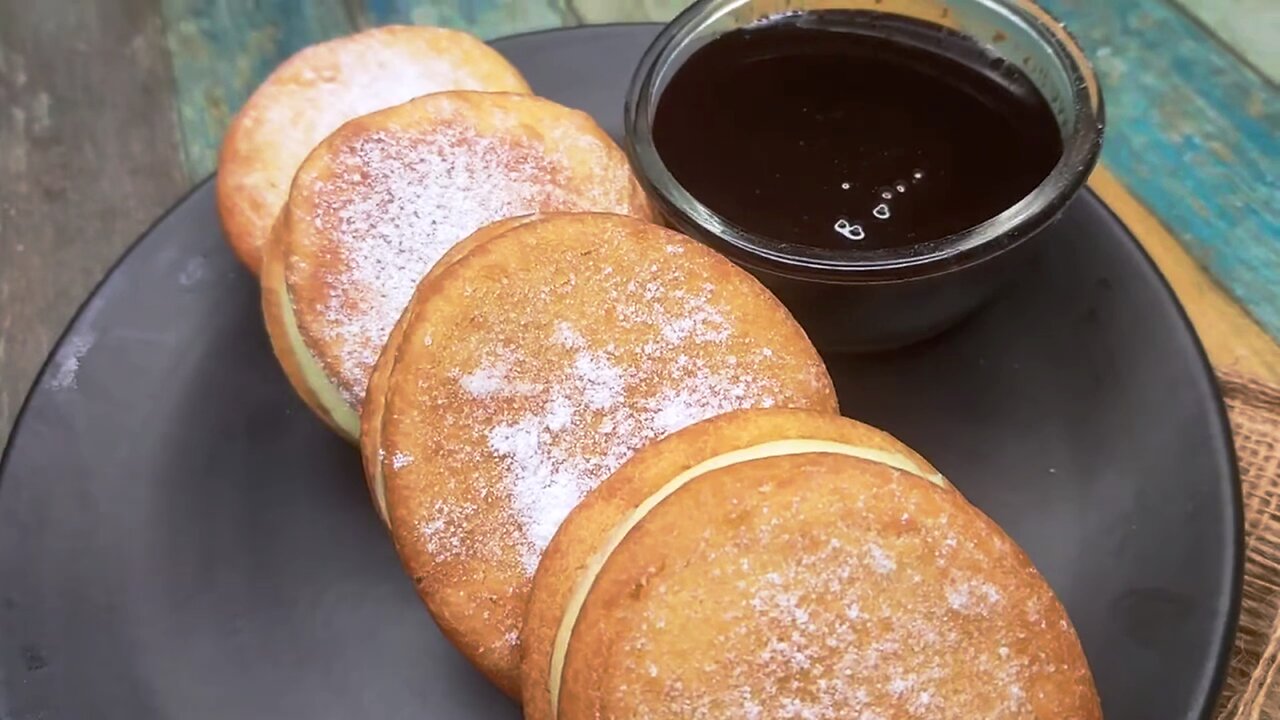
x=1193 y=132
x=221 y=49
x=88 y=159
x=1249 y=27
x=109 y=110
x=1195 y=135
x=1233 y=340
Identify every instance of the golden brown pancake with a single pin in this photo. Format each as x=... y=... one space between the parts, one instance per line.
x=371 y=415
x=765 y=566
x=531 y=369
x=318 y=89
x=606 y=508
x=381 y=200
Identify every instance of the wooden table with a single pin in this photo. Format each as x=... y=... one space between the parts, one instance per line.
x=110 y=110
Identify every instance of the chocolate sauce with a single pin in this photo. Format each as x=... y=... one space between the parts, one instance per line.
x=854 y=129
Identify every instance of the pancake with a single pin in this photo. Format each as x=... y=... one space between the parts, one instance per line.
x=556 y=585
x=531 y=369
x=318 y=89
x=764 y=566
x=382 y=199
x=371 y=415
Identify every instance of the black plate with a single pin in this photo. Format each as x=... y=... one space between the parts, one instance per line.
x=179 y=538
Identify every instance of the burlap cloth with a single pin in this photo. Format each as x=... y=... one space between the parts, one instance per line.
x=1252 y=690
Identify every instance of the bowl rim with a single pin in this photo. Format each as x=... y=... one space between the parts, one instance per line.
x=1081 y=148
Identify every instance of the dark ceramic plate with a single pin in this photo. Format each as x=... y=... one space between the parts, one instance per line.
x=179 y=538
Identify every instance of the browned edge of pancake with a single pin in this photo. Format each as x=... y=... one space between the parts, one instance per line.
x=758 y=584
x=376 y=396
x=503 y=590
x=279 y=335
x=590 y=524
x=313 y=267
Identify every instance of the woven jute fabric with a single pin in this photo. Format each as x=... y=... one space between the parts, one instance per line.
x=1252 y=690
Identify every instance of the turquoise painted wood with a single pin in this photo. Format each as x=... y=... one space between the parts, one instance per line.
x=1193 y=131
x=222 y=49
x=486 y=18
x=1195 y=134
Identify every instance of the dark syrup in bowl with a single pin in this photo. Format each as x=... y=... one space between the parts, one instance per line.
x=853 y=130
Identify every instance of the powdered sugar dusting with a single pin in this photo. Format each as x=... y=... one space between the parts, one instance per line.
x=880 y=560
x=555 y=370
x=328 y=84
x=601 y=381
x=371 y=74
x=973 y=596
x=593 y=413
x=66 y=363
x=398 y=201
x=548 y=477
x=566 y=336
x=485 y=381
x=366 y=75
x=709 y=324
x=434 y=530
x=418 y=196
x=761 y=592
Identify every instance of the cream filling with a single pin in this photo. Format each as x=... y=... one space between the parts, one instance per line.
x=327 y=394
x=380 y=490
x=775 y=448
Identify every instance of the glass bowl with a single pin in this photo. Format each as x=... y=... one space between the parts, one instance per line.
x=870 y=299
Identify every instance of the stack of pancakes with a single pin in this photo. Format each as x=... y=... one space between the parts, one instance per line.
x=611 y=462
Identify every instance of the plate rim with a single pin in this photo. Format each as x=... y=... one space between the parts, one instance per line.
x=1226 y=439
x=1223 y=435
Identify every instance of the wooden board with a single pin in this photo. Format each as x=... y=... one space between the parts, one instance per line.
x=222 y=49
x=1193 y=131
x=1232 y=339
x=486 y=18
x=88 y=159
x=1195 y=135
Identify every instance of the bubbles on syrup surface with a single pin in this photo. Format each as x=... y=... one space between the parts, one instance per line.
x=820 y=154
x=850 y=230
